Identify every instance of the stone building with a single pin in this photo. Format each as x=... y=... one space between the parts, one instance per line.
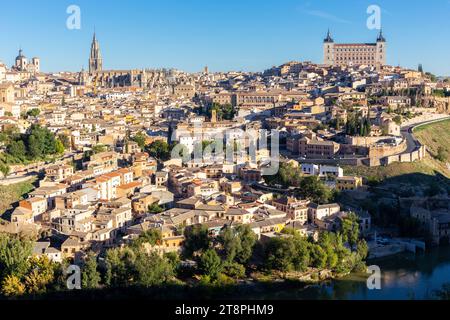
x=371 y=54
x=97 y=76
x=22 y=64
x=95 y=58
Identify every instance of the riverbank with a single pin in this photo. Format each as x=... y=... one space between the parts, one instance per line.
x=403 y=277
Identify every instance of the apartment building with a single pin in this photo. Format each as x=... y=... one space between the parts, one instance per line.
x=321 y=211
x=58 y=173
x=347 y=183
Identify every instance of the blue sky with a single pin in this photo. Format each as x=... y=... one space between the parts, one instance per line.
x=225 y=35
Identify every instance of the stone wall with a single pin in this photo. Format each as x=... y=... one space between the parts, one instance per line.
x=364 y=141
x=387 y=150
x=418 y=154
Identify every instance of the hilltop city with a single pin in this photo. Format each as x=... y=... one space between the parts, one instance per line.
x=117 y=165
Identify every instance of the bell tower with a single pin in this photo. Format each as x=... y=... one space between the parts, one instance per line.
x=95 y=58
x=328 y=50
x=381 y=50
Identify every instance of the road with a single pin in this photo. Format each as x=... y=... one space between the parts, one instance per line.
x=34 y=169
x=16 y=179
x=407 y=133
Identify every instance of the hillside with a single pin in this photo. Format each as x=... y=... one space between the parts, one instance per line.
x=436 y=137
x=13 y=193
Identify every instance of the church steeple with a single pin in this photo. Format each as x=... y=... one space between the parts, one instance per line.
x=381 y=37
x=95 y=58
x=328 y=39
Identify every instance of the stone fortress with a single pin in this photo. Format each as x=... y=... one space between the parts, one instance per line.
x=344 y=54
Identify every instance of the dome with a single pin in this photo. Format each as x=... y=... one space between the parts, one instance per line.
x=20 y=56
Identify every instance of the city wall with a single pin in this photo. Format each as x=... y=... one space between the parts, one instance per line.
x=387 y=150
x=364 y=141
x=418 y=154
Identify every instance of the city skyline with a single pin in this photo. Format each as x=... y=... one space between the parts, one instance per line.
x=223 y=37
x=135 y=167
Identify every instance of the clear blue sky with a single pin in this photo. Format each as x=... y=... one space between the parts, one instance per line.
x=225 y=35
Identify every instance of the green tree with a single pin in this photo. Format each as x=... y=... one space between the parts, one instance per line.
x=302 y=259
x=9 y=134
x=5 y=169
x=65 y=141
x=350 y=229
x=152 y=269
x=17 y=149
x=238 y=243
x=224 y=112
x=327 y=243
x=43 y=138
x=40 y=276
x=278 y=254
x=155 y=208
x=160 y=150
x=151 y=236
x=311 y=187
x=173 y=258
x=362 y=249
x=11 y=286
x=120 y=270
x=33 y=112
x=90 y=276
x=34 y=147
x=14 y=254
x=59 y=147
x=231 y=243
x=140 y=139
x=210 y=263
x=234 y=270
x=196 y=240
x=287 y=254
x=60 y=276
x=318 y=256
x=99 y=148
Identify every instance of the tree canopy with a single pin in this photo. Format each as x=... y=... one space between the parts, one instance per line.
x=224 y=112
x=238 y=243
x=140 y=138
x=196 y=240
x=37 y=143
x=160 y=150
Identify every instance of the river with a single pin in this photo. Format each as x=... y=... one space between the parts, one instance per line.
x=403 y=277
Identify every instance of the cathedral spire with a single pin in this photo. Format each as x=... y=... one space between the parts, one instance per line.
x=95 y=58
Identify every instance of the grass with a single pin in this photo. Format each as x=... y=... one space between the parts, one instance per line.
x=426 y=167
x=436 y=136
x=13 y=193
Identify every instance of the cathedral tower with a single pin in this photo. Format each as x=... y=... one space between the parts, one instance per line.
x=95 y=59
